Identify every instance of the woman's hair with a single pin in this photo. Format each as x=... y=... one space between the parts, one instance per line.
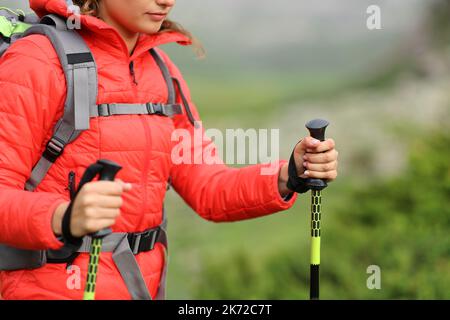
x=91 y=8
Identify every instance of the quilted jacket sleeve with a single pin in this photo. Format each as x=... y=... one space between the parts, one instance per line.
x=215 y=191
x=32 y=91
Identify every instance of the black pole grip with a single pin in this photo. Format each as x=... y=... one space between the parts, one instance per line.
x=317 y=128
x=108 y=173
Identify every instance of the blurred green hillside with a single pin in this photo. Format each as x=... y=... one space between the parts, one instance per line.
x=400 y=225
x=389 y=206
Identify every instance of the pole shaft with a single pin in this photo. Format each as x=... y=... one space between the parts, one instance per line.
x=316 y=202
x=94 y=256
x=314 y=288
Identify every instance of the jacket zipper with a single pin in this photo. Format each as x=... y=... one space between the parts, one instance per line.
x=133 y=73
x=71 y=185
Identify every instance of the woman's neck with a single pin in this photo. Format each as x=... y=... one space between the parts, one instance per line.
x=130 y=38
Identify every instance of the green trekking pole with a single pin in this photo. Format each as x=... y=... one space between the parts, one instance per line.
x=108 y=173
x=317 y=129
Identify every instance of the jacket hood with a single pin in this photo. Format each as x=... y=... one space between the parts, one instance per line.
x=106 y=35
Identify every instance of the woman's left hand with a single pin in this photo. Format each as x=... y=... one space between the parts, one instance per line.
x=313 y=159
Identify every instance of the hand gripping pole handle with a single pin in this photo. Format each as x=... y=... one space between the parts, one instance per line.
x=317 y=128
x=108 y=173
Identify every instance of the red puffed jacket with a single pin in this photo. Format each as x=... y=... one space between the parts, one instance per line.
x=33 y=91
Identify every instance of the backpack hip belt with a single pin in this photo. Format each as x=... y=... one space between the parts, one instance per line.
x=124 y=246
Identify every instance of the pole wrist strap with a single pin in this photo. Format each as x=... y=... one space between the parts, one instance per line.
x=67 y=235
x=296 y=183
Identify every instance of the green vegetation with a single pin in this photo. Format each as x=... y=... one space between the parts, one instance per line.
x=398 y=221
x=256 y=98
x=401 y=225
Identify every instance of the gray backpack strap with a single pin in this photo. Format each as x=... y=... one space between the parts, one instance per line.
x=162 y=238
x=166 y=74
x=123 y=254
x=129 y=269
x=124 y=259
x=81 y=79
x=31 y=19
x=170 y=85
x=126 y=263
x=3 y=46
x=12 y=259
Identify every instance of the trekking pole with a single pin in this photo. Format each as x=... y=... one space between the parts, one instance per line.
x=108 y=173
x=317 y=129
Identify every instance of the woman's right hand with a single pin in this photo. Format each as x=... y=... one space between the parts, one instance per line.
x=96 y=207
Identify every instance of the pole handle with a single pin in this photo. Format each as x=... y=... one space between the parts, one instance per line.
x=110 y=169
x=317 y=128
x=108 y=173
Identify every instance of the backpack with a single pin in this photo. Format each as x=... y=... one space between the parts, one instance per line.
x=81 y=79
x=12 y=25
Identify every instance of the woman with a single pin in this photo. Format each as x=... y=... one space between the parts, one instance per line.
x=119 y=33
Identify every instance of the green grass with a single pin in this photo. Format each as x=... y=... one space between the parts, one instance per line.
x=365 y=222
x=194 y=241
x=400 y=224
x=252 y=100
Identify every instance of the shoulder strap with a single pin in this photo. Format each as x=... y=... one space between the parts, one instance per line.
x=170 y=85
x=166 y=74
x=81 y=78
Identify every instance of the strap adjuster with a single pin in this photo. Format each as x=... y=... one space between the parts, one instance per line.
x=103 y=110
x=54 y=149
x=155 y=108
x=143 y=241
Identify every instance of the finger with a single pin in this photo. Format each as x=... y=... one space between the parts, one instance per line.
x=299 y=164
x=111 y=188
x=107 y=213
x=321 y=167
x=97 y=225
x=323 y=146
x=325 y=157
x=96 y=200
x=110 y=202
x=330 y=175
x=306 y=143
x=102 y=213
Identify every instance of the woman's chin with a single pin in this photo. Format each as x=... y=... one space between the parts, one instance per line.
x=149 y=28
